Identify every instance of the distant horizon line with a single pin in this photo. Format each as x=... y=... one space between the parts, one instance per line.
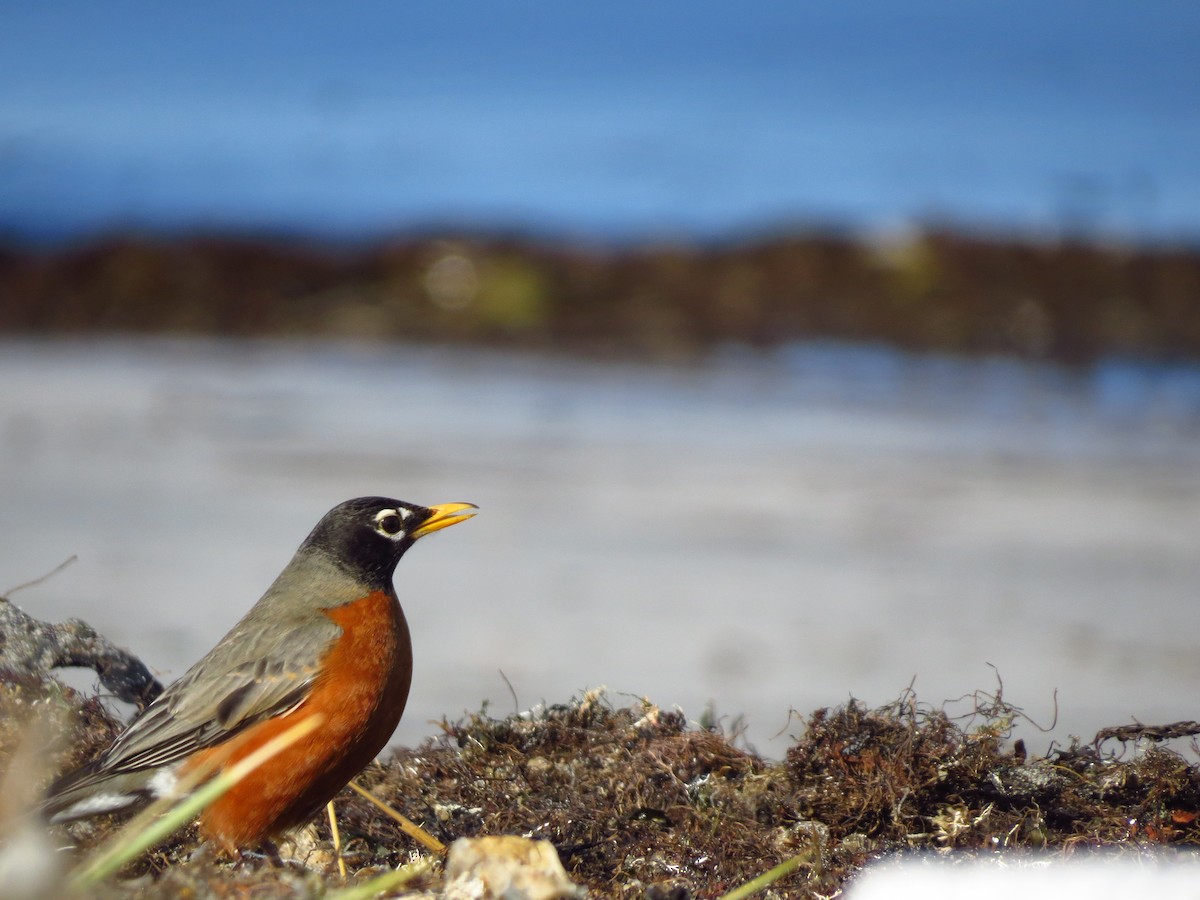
x=48 y=234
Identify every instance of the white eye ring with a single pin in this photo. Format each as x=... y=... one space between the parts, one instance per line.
x=390 y=522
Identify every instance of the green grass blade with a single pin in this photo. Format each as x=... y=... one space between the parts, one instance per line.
x=385 y=882
x=768 y=878
x=139 y=836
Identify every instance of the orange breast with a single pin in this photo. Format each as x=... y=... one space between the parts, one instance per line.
x=360 y=694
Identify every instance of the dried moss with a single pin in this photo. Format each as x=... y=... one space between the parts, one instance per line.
x=639 y=804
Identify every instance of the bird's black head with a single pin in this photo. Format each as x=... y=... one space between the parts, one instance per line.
x=368 y=535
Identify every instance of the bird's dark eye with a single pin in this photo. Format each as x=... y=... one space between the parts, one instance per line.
x=391 y=524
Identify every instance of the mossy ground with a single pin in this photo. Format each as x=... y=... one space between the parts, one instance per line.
x=640 y=804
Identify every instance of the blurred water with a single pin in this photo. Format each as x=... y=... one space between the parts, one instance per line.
x=617 y=119
x=761 y=532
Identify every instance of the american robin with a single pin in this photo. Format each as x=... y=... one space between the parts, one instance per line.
x=327 y=637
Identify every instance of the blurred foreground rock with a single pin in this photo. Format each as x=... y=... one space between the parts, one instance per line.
x=506 y=867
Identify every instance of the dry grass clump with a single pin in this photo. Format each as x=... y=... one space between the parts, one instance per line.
x=629 y=796
x=910 y=777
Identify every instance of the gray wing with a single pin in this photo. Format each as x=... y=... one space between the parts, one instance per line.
x=265 y=666
x=247 y=678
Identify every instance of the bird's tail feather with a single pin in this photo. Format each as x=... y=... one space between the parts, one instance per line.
x=90 y=792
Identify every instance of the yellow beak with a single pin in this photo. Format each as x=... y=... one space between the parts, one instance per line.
x=444 y=516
